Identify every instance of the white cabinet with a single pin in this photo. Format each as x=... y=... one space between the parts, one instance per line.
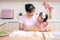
x=52 y=25
x=9 y=26
x=13 y=26
x=57 y=26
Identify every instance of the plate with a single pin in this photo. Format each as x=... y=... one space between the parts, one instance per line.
x=3 y=34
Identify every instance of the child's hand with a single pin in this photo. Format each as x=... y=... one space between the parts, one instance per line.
x=48 y=29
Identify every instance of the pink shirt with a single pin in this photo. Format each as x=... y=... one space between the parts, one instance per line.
x=41 y=26
x=28 y=22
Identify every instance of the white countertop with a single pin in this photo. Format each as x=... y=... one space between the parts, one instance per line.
x=25 y=33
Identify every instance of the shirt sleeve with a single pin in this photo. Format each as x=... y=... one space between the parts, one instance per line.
x=45 y=23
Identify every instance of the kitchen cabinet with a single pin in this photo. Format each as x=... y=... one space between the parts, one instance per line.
x=9 y=26
x=52 y=25
x=13 y=26
x=57 y=26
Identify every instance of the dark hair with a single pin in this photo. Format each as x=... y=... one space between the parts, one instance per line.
x=29 y=7
x=40 y=14
x=46 y=16
x=45 y=19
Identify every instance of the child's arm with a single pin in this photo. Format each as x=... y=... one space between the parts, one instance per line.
x=34 y=28
x=48 y=28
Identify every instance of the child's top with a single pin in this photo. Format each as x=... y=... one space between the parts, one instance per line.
x=41 y=26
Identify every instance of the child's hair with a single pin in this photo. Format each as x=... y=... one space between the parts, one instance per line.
x=45 y=19
x=40 y=14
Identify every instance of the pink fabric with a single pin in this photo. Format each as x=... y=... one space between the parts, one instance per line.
x=7 y=13
x=28 y=22
x=41 y=26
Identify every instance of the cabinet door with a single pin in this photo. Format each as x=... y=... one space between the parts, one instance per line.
x=57 y=26
x=4 y=27
x=13 y=26
x=52 y=26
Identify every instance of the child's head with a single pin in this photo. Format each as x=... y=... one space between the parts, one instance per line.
x=41 y=14
x=41 y=18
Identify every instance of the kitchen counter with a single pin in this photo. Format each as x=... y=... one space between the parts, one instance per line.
x=21 y=37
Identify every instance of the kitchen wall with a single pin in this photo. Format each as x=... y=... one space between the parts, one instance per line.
x=19 y=7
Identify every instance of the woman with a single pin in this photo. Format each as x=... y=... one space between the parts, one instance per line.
x=42 y=22
x=28 y=20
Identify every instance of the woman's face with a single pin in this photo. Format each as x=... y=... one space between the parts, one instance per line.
x=40 y=19
x=31 y=14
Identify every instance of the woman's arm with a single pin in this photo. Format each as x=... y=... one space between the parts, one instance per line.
x=21 y=26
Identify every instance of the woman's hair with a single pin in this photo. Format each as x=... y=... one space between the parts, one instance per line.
x=29 y=7
x=45 y=19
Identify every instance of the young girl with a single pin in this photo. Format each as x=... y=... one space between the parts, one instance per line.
x=41 y=23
